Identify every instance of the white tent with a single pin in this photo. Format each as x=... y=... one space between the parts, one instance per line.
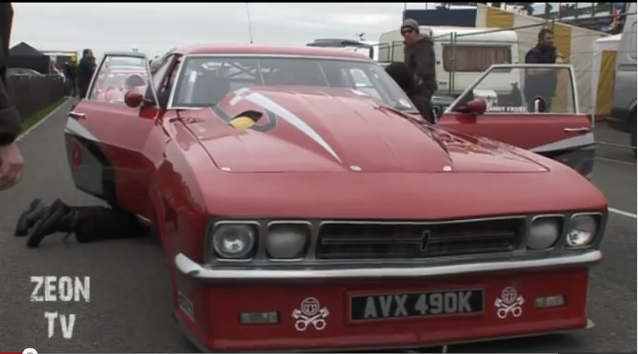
x=603 y=72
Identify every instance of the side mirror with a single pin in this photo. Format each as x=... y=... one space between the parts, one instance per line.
x=476 y=106
x=135 y=99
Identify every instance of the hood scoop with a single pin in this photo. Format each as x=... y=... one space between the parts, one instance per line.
x=245 y=120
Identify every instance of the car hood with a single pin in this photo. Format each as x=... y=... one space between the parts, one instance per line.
x=333 y=130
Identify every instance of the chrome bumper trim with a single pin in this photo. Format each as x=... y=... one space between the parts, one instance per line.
x=407 y=349
x=207 y=273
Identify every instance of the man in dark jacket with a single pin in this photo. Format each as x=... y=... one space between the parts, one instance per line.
x=419 y=56
x=541 y=82
x=11 y=162
x=86 y=68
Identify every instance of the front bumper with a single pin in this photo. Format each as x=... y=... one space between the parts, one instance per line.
x=218 y=296
x=196 y=271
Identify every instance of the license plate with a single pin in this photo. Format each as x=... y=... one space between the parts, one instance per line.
x=410 y=305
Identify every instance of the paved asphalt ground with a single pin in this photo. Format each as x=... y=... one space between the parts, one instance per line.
x=130 y=304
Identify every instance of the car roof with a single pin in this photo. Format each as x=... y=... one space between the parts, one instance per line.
x=271 y=50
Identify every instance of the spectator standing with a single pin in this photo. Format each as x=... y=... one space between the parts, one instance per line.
x=541 y=82
x=86 y=68
x=11 y=162
x=419 y=56
x=69 y=72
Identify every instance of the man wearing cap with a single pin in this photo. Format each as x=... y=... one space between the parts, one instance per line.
x=419 y=56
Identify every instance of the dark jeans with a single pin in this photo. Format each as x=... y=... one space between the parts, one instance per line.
x=71 y=88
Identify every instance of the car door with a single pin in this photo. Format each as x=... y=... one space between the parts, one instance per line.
x=106 y=139
x=528 y=112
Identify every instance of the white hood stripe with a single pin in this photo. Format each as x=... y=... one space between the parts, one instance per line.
x=239 y=95
x=280 y=111
x=573 y=142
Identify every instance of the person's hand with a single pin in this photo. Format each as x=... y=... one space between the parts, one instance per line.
x=560 y=58
x=11 y=164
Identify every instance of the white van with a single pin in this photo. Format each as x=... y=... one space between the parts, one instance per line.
x=623 y=112
x=460 y=65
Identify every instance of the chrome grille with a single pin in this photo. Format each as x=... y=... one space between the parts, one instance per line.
x=403 y=240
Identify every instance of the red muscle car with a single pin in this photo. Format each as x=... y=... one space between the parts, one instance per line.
x=304 y=205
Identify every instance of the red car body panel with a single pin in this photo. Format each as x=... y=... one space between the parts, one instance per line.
x=519 y=129
x=217 y=328
x=182 y=169
x=358 y=131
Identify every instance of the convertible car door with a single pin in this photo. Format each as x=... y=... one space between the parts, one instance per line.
x=529 y=112
x=106 y=139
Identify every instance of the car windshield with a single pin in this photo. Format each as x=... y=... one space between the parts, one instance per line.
x=523 y=88
x=205 y=81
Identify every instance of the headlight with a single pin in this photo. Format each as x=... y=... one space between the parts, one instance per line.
x=544 y=233
x=287 y=241
x=234 y=241
x=582 y=230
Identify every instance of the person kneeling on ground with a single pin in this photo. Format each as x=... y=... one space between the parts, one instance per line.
x=403 y=76
x=89 y=224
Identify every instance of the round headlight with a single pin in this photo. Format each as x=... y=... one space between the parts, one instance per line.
x=234 y=241
x=287 y=241
x=544 y=233
x=582 y=230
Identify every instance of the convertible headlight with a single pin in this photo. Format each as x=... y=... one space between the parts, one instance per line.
x=234 y=241
x=582 y=230
x=544 y=233
x=287 y=241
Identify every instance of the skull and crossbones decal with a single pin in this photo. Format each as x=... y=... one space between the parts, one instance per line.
x=509 y=302
x=310 y=313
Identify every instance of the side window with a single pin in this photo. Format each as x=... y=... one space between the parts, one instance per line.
x=118 y=74
x=474 y=58
x=523 y=90
x=161 y=72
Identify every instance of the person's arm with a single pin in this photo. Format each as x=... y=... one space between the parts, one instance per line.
x=10 y=121
x=11 y=162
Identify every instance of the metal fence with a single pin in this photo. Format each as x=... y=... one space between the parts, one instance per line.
x=462 y=56
x=31 y=94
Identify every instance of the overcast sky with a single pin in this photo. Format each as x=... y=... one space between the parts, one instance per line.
x=156 y=27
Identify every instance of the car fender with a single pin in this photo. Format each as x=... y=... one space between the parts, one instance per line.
x=157 y=212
